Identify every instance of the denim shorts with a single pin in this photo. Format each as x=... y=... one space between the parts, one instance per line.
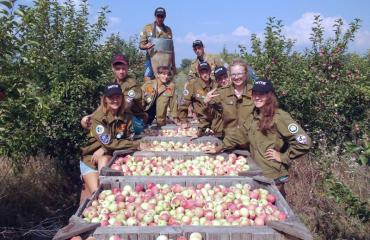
x=86 y=169
x=148 y=69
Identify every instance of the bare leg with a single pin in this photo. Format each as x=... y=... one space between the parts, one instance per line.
x=85 y=193
x=91 y=182
x=103 y=161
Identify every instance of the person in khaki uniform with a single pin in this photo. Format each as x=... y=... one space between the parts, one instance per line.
x=222 y=77
x=233 y=102
x=198 y=49
x=158 y=95
x=111 y=130
x=132 y=95
x=194 y=93
x=155 y=30
x=222 y=80
x=275 y=139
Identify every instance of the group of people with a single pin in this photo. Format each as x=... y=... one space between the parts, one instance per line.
x=229 y=102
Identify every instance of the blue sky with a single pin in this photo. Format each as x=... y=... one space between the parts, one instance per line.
x=229 y=23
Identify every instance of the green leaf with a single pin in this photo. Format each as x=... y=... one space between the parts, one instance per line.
x=363 y=159
x=19 y=12
x=8 y=4
x=3 y=11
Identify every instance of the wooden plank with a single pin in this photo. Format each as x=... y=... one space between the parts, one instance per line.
x=75 y=227
x=294 y=229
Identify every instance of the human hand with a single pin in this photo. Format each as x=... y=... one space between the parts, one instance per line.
x=86 y=122
x=185 y=125
x=96 y=155
x=210 y=96
x=212 y=150
x=273 y=155
x=149 y=45
x=143 y=146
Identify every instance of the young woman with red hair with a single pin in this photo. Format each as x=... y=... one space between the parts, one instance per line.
x=274 y=138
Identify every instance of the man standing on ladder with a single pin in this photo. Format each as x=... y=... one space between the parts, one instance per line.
x=151 y=34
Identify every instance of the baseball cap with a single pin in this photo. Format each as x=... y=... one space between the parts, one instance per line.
x=112 y=89
x=119 y=58
x=262 y=85
x=160 y=11
x=197 y=43
x=220 y=71
x=203 y=65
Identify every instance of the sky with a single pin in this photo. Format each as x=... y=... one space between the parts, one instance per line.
x=230 y=23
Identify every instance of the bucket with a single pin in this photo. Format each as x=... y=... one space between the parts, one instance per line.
x=162 y=53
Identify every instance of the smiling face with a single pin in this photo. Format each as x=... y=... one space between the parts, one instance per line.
x=223 y=80
x=120 y=71
x=163 y=75
x=238 y=75
x=259 y=99
x=114 y=102
x=205 y=74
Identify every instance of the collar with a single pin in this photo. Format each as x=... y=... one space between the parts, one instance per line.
x=108 y=117
x=246 y=93
x=256 y=114
x=127 y=82
x=203 y=85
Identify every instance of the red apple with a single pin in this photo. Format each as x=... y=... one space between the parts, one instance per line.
x=271 y=198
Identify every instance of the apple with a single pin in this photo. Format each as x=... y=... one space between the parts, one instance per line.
x=271 y=198
x=76 y=238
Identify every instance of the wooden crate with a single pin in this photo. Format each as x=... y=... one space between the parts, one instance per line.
x=292 y=228
x=107 y=171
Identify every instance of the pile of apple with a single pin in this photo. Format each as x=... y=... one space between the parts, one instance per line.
x=171 y=166
x=178 y=132
x=203 y=204
x=177 y=146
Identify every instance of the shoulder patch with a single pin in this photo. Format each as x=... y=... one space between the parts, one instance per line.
x=104 y=138
x=131 y=93
x=99 y=129
x=148 y=99
x=293 y=128
x=302 y=139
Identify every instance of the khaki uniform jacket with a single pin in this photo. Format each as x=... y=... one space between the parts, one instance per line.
x=211 y=60
x=109 y=132
x=132 y=95
x=234 y=111
x=194 y=93
x=286 y=136
x=159 y=32
x=163 y=96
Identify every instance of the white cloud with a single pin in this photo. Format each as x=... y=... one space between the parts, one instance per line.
x=114 y=20
x=301 y=29
x=241 y=31
x=363 y=39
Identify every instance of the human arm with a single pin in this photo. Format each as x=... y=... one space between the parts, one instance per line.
x=298 y=141
x=108 y=141
x=144 y=43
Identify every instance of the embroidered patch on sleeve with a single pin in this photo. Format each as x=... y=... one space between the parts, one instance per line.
x=293 y=128
x=104 y=138
x=99 y=129
x=302 y=139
